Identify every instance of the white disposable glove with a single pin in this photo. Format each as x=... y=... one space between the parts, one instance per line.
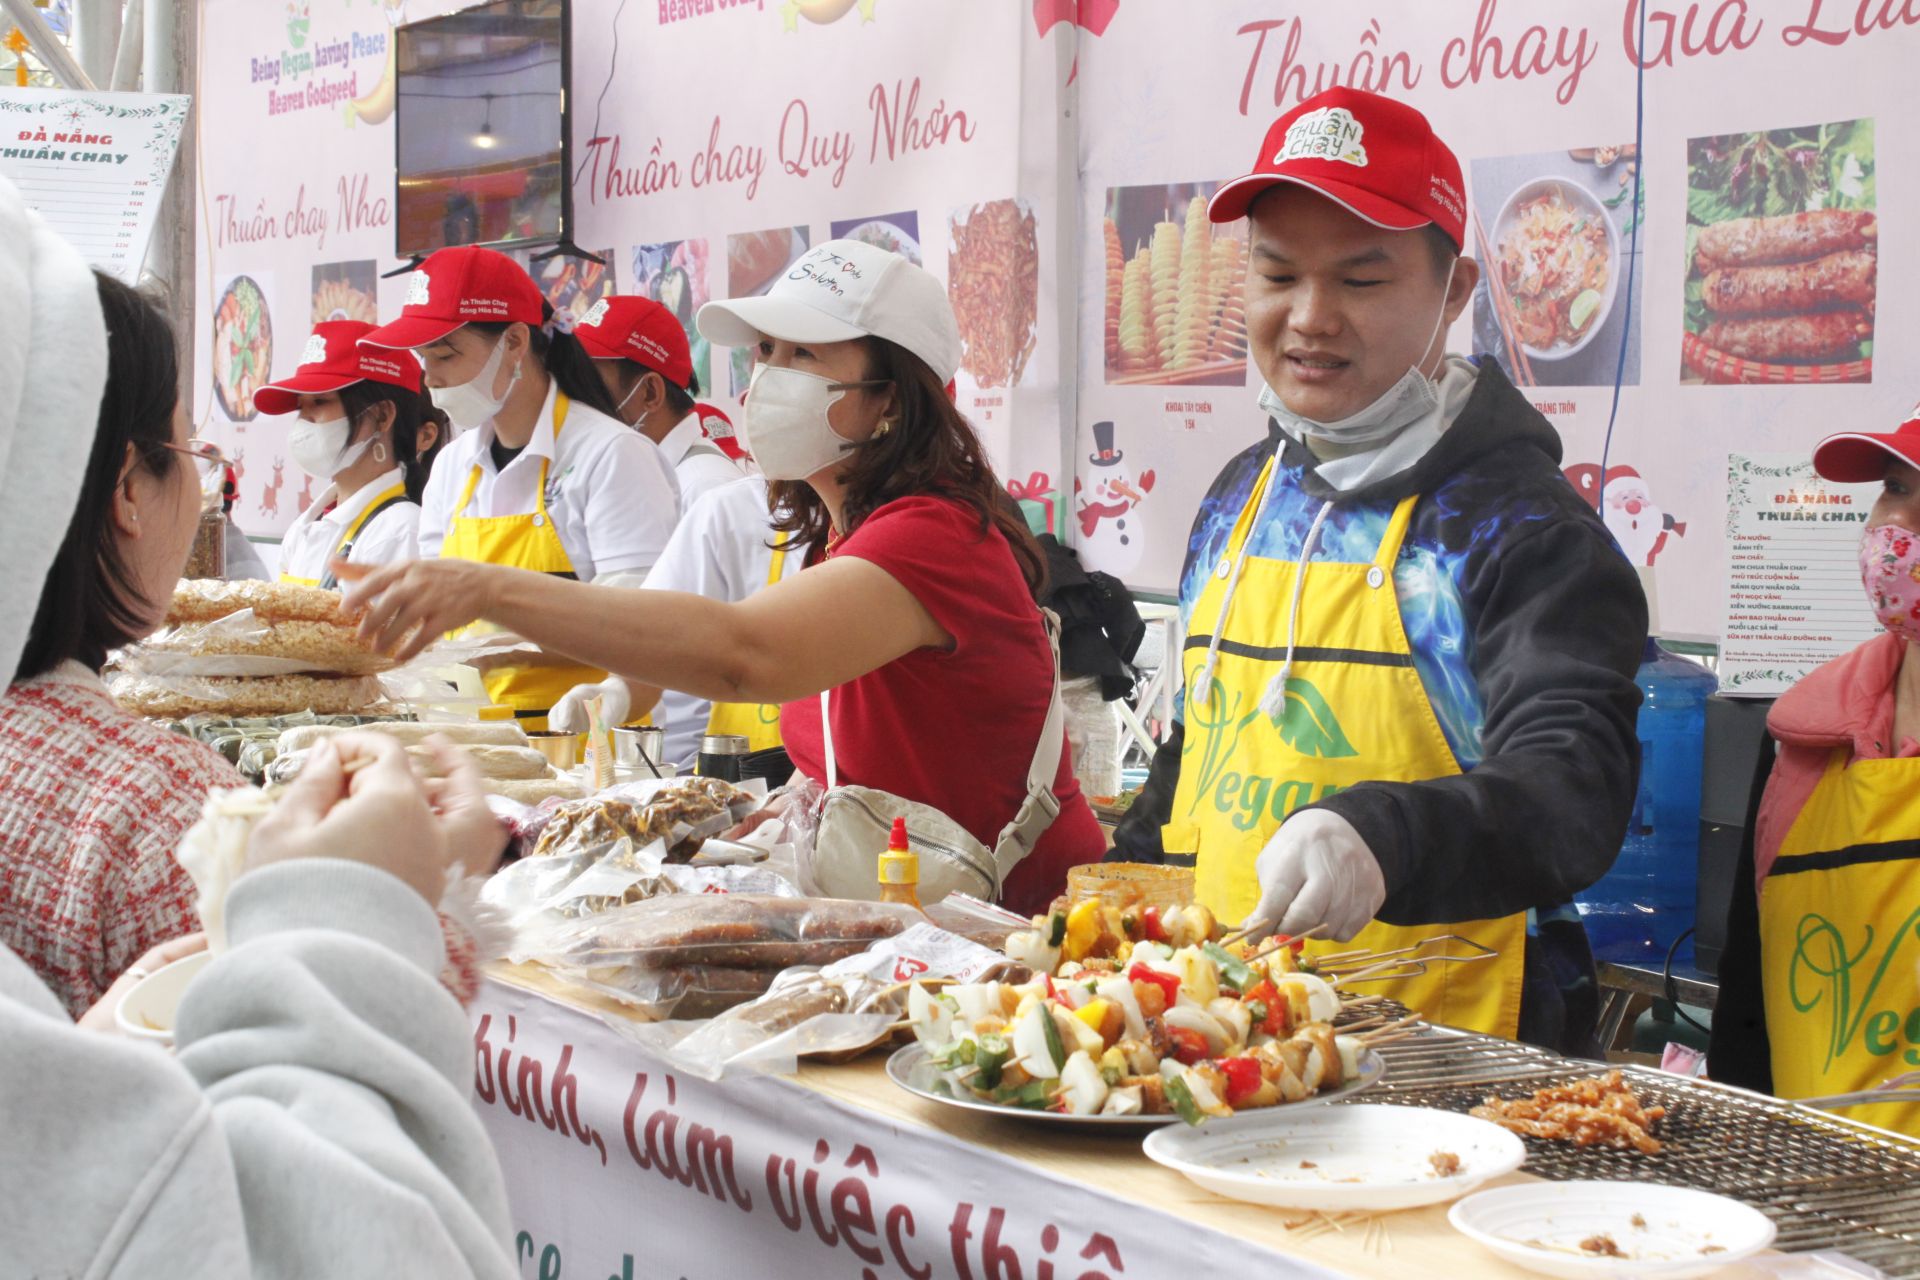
x=569 y=715
x=1317 y=871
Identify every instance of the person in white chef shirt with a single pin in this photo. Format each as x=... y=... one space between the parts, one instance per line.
x=641 y=353
x=541 y=475
x=365 y=429
x=724 y=550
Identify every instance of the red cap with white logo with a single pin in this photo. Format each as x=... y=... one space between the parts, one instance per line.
x=1854 y=457
x=640 y=330
x=333 y=358
x=1377 y=158
x=461 y=286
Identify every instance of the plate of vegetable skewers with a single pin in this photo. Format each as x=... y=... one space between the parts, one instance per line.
x=1137 y=1019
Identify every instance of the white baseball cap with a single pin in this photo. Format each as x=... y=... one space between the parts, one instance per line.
x=840 y=291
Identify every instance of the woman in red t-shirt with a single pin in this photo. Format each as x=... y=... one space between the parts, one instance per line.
x=916 y=609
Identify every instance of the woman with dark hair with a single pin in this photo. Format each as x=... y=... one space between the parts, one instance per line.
x=96 y=799
x=362 y=428
x=545 y=477
x=913 y=634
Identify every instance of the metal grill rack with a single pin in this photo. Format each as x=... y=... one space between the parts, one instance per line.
x=1826 y=1183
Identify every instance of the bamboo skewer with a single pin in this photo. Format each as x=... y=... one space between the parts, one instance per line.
x=1504 y=310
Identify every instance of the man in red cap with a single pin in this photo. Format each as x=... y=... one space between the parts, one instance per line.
x=1409 y=705
x=642 y=355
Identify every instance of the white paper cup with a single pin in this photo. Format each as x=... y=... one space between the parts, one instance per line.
x=147 y=1012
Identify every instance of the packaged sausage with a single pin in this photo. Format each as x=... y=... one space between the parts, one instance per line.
x=743 y=931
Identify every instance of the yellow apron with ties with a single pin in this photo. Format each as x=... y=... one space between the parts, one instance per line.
x=1355 y=711
x=758 y=723
x=526 y=541
x=1840 y=939
x=392 y=497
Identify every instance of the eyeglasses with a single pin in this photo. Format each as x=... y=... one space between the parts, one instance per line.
x=206 y=455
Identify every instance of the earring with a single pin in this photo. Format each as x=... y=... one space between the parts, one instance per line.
x=379 y=450
x=886 y=426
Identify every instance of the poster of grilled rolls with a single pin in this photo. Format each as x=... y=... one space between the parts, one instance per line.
x=1782 y=256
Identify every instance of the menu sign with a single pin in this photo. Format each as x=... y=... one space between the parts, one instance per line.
x=1794 y=598
x=93 y=165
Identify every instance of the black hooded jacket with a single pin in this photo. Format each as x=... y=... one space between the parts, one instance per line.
x=1555 y=624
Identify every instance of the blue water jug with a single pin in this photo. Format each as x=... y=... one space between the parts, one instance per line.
x=1647 y=900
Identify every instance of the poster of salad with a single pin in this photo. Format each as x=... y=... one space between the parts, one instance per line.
x=1554 y=232
x=242 y=345
x=1782 y=265
x=895 y=232
x=675 y=276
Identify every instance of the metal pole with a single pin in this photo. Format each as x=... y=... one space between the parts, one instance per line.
x=46 y=45
x=159 y=67
x=96 y=36
x=126 y=58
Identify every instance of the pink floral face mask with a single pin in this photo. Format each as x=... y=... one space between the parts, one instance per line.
x=1890 y=571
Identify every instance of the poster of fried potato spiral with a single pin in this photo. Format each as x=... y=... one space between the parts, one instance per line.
x=993 y=280
x=1176 y=308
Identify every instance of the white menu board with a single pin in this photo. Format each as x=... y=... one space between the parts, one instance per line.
x=1794 y=598
x=94 y=165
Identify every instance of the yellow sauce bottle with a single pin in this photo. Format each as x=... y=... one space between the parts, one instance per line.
x=900 y=869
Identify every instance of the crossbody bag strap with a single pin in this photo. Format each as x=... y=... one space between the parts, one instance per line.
x=1037 y=812
x=826 y=738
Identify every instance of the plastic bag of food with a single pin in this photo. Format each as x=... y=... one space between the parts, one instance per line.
x=243 y=643
x=747 y=931
x=682 y=991
x=175 y=697
x=684 y=812
x=839 y=1010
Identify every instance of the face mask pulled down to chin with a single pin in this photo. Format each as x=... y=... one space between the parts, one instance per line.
x=785 y=425
x=472 y=403
x=1414 y=397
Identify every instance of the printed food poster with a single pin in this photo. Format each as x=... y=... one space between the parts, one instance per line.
x=675 y=276
x=895 y=232
x=1782 y=255
x=573 y=284
x=346 y=291
x=1552 y=233
x=993 y=281
x=242 y=345
x=1175 y=289
x=754 y=261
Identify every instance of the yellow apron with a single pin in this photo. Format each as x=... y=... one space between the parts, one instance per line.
x=1840 y=939
x=392 y=497
x=758 y=723
x=1355 y=712
x=520 y=542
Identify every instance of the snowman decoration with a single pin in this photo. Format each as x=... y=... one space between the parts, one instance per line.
x=1107 y=502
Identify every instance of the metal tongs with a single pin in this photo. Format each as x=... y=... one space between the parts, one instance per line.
x=1344 y=967
x=1900 y=1088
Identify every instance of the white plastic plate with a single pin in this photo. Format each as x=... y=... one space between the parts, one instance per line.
x=1665 y=1233
x=1338 y=1158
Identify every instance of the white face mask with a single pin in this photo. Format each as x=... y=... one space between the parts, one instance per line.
x=785 y=424
x=1401 y=405
x=473 y=403
x=320 y=448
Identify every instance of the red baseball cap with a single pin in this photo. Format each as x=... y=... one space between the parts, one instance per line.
x=333 y=358
x=1852 y=457
x=460 y=286
x=718 y=428
x=1377 y=158
x=640 y=330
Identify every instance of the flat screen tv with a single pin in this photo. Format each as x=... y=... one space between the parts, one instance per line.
x=480 y=121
